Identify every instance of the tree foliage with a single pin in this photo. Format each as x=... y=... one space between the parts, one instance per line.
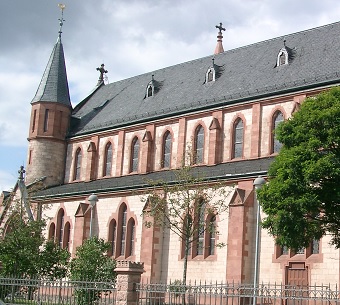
x=92 y=264
x=302 y=198
x=25 y=253
x=181 y=205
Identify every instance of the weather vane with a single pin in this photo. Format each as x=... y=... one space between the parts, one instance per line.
x=61 y=20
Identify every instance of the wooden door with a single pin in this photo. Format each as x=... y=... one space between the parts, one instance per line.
x=297 y=284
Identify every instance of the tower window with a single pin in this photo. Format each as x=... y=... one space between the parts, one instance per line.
x=34 y=119
x=46 y=120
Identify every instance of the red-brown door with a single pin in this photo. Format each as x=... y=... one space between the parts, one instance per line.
x=297 y=284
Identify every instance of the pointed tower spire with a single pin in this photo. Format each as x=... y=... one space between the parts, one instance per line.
x=50 y=118
x=53 y=86
x=219 y=46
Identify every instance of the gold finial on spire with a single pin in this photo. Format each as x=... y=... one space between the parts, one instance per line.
x=61 y=20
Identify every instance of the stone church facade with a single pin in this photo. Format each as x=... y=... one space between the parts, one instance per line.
x=224 y=109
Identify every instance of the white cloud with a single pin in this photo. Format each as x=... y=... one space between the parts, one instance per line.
x=7 y=181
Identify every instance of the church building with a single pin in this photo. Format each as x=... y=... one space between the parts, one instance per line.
x=95 y=158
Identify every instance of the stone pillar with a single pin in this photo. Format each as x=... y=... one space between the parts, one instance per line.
x=128 y=274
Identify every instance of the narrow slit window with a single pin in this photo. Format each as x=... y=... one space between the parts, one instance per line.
x=34 y=119
x=46 y=120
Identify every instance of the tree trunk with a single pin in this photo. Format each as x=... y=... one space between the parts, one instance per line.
x=185 y=267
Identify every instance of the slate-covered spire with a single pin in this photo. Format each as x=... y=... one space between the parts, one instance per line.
x=219 y=46
x=54 y=85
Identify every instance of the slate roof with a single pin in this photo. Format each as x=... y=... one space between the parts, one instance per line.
x=224 y=171
x=53 y=86
x=247 y=72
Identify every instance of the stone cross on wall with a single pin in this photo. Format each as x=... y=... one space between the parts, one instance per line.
x=101 y=71
x=21 y=173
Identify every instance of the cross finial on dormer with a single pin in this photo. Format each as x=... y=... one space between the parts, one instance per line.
x=101 y=75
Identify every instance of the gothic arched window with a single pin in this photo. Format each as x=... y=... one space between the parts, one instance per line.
x=238 y=139
x=51 y=231
x=200 y=227
x=211 y=232
x=166 y=154
x=60 y=227
x=66 y=238
x=122 y=233
x=198 y=145
x=112 y=237
x=130 y=238
x=134 y=155
x=277 y=119
x=77 y=165
x=107 y=160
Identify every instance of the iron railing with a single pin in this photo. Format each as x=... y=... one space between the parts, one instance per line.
x=236 y=294
x=49 y=292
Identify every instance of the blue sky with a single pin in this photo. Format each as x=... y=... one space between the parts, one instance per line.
x=130 y=37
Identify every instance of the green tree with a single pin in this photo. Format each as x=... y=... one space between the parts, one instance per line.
x=302 y=198
x=92 y=264
x=25 y=253
x=182 y=204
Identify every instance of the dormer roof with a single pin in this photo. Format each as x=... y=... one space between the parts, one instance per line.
x=53 y=86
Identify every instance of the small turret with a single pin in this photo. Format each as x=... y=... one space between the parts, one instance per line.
x=50 y=118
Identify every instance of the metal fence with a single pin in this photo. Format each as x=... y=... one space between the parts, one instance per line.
x=48 y=292
x=236 y=294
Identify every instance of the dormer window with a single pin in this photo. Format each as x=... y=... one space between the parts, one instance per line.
x=149 y=90
x=210 y=75
x=282 y=57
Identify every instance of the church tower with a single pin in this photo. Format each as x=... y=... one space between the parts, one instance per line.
x=50 y=119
